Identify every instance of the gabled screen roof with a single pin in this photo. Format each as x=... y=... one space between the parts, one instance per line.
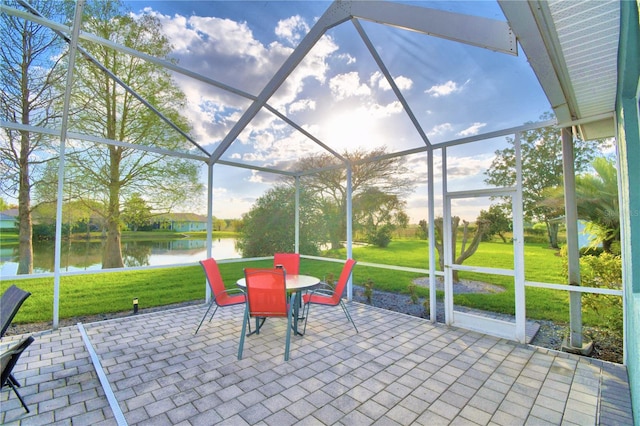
x=268 y=82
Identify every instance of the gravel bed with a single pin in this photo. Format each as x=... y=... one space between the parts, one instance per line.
x=607 y=345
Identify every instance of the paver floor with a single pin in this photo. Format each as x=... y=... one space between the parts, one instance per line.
x=398 y=370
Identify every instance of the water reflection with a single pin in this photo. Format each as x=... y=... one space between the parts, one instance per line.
x=87 y=255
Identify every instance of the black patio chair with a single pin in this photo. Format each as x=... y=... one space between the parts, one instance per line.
x=10 y=303
x=8 y=360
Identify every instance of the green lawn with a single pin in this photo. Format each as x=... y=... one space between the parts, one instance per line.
x=115 y=291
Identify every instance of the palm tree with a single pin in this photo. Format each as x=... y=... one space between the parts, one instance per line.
x=597 y=198
x=597 y=201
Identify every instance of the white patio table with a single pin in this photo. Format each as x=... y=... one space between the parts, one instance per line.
x=294 y=283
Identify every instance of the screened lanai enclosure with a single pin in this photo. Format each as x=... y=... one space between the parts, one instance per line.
x=204 y=107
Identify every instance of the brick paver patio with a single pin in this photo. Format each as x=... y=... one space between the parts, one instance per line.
x=398 y=370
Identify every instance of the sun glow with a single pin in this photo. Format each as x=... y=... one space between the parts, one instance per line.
x=348 y=130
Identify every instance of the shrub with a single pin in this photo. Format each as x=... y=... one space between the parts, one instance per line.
x=590 y=251
x=330 y=279
x=368 y=290
x=382 y=236
x=43 y=231
x=604 y=271
x=413 y=294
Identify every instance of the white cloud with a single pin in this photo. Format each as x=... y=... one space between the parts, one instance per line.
x=251 y=157
x=223 y=50
x=245 y=54
x=444 y=89
x=465 y=167
x=255 y=177
x=377 y=79
x=227 y=51
x=403 y=83
x=349 y=59
x=302 y=105
x=219 y=191
x=440 y=129
x=292 y=29
x=377 y=111
x=314 y=66
x=348 y=85
x=474 y=129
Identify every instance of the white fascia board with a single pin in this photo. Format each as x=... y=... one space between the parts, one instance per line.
x=601 y=129
x=529 y=34
x=473 y=30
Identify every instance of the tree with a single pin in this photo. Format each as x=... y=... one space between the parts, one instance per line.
x=30 y=58
x=465 y=251
x=372 y=173
x=541 y=169
x=377 y=214
x=235 y=224
x=111 y=173
x=597 y=201
x=3 y=204
x=268 y=227
x=423 y=229
x=136 y=212
x=498 y=221
x=219 y=224
x=76 y=216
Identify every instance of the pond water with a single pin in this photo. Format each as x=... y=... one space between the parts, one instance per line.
x=87 y=255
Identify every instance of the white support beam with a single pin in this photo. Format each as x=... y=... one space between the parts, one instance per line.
x=392 y=83
x=73 y=52
x=517 y=213
x=123 y=49
x=207 y=291
x=333 y=16
x=297 y=218
x=573 y=250
x=101 y=140
x=536 y=46
x=117 y=80
x=447 y=244
x=304 y=132
x=473 y=30
x=349 y=228
x=433 y=307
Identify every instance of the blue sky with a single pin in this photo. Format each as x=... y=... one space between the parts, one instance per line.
x=338 y=93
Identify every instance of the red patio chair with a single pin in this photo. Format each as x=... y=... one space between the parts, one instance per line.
x=221 y=296
x=290 y=262
x=266 y=298
x=330 y=296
